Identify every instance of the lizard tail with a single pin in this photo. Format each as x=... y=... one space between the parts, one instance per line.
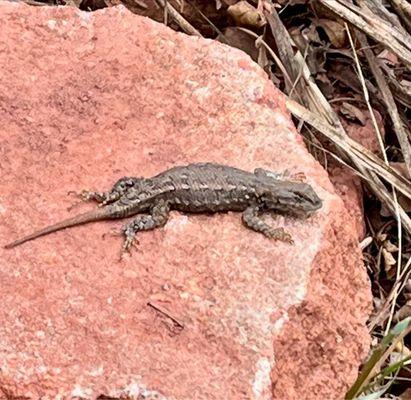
x=90 y=216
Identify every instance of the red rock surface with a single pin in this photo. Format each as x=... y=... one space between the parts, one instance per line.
x=347 y=183
x=365 y=134
x=88 y=98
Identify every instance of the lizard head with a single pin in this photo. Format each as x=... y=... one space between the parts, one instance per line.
x=124 y=184
x=293 y=198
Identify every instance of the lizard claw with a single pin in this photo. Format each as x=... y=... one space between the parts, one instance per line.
x=281 y=235
x=86 y=195
x=77 y=203
x=294 y=177
x=126 y=249
x=287 y=238
x=298 y=177
x=101 y=198
x=123 y=254
x=112 y=232
x=83 y=196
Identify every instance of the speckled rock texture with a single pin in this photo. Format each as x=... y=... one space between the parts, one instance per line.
x=347 y=184
x=204 y=308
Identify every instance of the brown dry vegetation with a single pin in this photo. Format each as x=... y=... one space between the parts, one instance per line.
x=339 y=62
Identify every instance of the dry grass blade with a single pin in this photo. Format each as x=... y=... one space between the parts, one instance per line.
x=306 y=88
x=375 y=27
x=379 y=356
x=324 y=119
x=399 y=285
x=403 y=8
x=402 y=93
x=285 y=50
x=388 y=98
x=369 y=164
x=353 y=148
x=380 y=139
x=272 y=54
x=32 y=3
x=181 y=21
x=378 y=8
x=205 y=18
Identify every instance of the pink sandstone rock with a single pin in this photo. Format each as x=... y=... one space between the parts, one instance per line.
x=347 y=184
x=204 y=309
x=366 y=134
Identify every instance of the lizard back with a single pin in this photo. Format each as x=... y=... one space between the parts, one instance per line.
x=208 y=187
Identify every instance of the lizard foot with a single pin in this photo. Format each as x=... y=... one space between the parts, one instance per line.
x=282 y=176
x=77 y=203
x=145 y=222
x=298 y=177
x=129 y=241
x=102 y=198
x=126 y=248
x=281 y=235
x=252 y=219
x=293 y=177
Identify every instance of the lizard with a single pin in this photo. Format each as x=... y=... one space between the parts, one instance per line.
x=195 y=188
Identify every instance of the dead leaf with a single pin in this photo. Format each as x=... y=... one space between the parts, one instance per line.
x=235 y=37
x=403 y=201
x=74 y=3
x=403 y=312
x=401 y=168
x=325 y=85
x=366 y=242
x=244 y=14
x=291 y=2
x=381 y=237
x=311 y=34
x=406 y=395
x=406 y=85
x=353 y=113
x=389 y=260
x=388 y=57
x=298 y=38
x=390 y=247
x=335 y=32
x=228 y=2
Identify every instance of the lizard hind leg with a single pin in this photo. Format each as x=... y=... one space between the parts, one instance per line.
x=284 y=176
x=265 y=173
x=157 y=217
x=252 y=219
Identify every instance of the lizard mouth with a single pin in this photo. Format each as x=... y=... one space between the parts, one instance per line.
x=300 y=213
x=306 y=212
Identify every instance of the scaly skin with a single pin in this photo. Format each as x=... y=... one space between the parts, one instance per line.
x=196 y=188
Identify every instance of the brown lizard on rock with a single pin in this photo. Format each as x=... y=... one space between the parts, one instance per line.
x=195 y=188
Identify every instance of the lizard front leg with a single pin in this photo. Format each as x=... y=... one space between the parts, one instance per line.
x=251 y=218
x=118 y=190
x=158 y=216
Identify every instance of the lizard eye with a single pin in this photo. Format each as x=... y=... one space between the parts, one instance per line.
x=126 y=183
